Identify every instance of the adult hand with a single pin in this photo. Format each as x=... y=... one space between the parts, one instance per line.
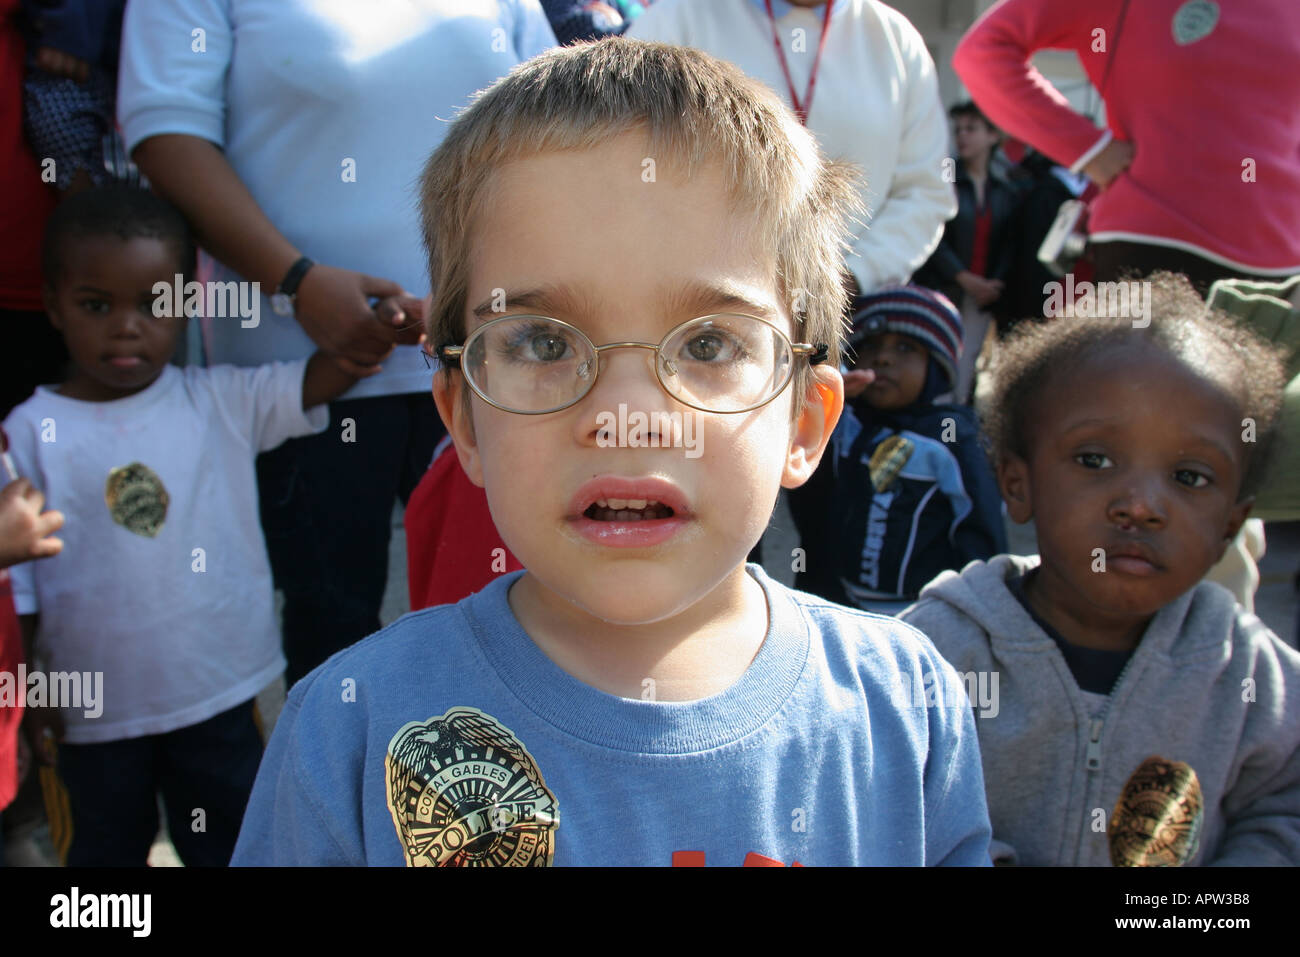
x=44 y=730
x=856 y=382
x=57 y=63
x=982 y=290
x=403 y=314
x=333 y=307
x=1114 y=158
x=26 y=530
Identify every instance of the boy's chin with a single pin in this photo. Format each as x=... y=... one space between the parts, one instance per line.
x=1134 y=599
x=636 y=593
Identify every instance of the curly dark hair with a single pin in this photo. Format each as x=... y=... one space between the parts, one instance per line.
x=127 y=212
x=1208 y=342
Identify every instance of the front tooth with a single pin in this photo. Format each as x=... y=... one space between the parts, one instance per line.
x=617 y=504
x=601 y=503
x=636 y=504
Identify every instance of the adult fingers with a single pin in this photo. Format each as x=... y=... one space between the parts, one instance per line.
x=377 y=288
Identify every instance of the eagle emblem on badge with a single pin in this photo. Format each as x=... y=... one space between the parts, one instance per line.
x=464 y=792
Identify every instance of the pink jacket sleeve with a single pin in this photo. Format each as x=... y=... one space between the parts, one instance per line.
x=993 y=61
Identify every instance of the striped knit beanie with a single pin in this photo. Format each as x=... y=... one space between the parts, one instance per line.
x=914 y=311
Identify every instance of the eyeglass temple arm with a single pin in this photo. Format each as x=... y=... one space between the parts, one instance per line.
x=449 y=354
x=817 y=354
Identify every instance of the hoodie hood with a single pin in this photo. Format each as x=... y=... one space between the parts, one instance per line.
x=980 y=593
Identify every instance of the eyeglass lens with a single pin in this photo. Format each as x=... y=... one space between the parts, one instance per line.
x=723 y=363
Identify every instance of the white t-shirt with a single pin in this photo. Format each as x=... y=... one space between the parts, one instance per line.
x=327 y=110
x=876 y=105
x=163 y=585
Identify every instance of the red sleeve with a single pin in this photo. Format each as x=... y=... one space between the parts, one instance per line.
x=12 y=697
x=25 y=202
x=992 y=59
x=451 y=541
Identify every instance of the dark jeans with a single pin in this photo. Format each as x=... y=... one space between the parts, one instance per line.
x=1124 y=260
x=113 y=792
x=327 y=511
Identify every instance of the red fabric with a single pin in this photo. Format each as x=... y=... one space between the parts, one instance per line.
x=979 y=253
x=1013 y=149
x=1189 y=183
x=450 y=537
x=25 y=202
x=11 y=654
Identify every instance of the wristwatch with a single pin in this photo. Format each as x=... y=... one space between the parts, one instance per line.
x=282 y=299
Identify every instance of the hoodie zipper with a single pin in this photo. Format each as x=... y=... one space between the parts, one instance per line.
x=1095 y=728
x=1092 y=760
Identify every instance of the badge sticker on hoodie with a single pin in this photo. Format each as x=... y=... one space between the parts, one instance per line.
x=464 y=792
x=1157 y=819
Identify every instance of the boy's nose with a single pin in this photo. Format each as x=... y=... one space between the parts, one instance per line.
x=626 y=377
x=1139 y=504
x=126 y=324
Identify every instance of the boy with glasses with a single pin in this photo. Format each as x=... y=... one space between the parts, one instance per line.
x=638 y=694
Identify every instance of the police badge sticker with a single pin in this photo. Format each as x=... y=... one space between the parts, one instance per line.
x=137 y=499
x=1157 y=819
x=888 y=460
x=464 y=792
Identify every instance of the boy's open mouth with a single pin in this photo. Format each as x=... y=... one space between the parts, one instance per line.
x=627 y=510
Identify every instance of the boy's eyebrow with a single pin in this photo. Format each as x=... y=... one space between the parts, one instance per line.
x=1203 y=438
x=704 y=296
x=84 y=288
x=696 y=298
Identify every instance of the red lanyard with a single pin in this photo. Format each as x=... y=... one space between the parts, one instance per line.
x=801 y=109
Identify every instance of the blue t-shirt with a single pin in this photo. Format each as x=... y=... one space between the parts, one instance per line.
x=449 y=737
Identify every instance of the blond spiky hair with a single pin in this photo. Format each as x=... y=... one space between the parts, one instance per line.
x=696 y=110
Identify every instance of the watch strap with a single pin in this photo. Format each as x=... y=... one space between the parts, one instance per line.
x=289 y=284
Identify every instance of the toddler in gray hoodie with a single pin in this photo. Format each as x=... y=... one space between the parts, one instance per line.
x=1144 y=718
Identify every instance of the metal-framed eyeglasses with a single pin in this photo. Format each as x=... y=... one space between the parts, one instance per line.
x=724 y=363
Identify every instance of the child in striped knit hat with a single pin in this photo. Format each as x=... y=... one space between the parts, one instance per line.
x=905 y=491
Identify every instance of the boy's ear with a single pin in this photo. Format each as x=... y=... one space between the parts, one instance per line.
x=812 y=430
x=1013 y=483
x=452 y=397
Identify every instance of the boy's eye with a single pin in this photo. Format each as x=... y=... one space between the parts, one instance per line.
x=534 y=342
x=94 y=305
x=547 y=348
x=903 y=346
x=1191 y=479
x=710 y=347
x=1093 y=460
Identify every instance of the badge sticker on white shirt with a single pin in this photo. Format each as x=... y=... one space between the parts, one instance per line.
x=1195 y=20
x=464 y=792
x=137 y=499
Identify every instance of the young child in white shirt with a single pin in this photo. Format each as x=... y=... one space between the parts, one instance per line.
x=155 y=625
